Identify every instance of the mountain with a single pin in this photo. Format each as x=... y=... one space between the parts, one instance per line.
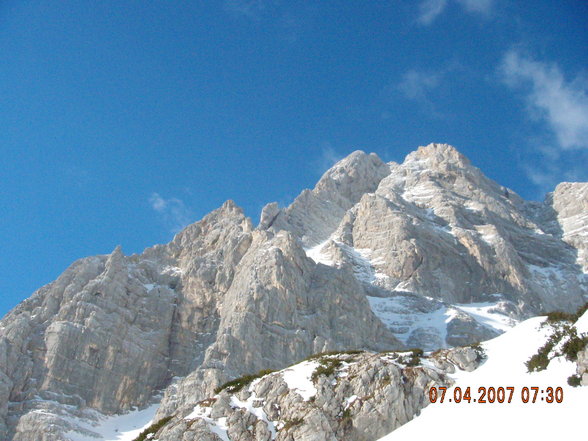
x=378 y=256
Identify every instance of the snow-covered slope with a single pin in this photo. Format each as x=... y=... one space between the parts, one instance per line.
x=505 y=367
x=124 y=427
x=418 y=320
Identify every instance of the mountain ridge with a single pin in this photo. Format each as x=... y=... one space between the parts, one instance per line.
x=428 y=253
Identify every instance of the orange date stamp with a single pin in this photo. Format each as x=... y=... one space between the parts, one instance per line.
x=496 y=395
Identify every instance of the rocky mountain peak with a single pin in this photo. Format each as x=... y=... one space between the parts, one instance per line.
x=315 y=214
x=115 y=260
x=227 y=214
x=353 y=173
x=436 y=153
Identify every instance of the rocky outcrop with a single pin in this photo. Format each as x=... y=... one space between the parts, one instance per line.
x=280 y=308
x=346 y=396
x=315 y=214
x=582 y=366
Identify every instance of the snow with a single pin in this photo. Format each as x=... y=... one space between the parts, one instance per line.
x=483 y=313
x=362 y=263
x=398 y=316
x=298 y=378
x=582 y=324
x=316 y=254
x=546 y=272
x=257 y=411
x=488 y=233
x=403 y=315
x=420 y=194
x=505 y=367
x=350 y=400
x=218 y=427
x=115 y=428
x=252 y=405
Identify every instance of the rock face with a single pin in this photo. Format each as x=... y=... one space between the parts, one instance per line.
x=429 y=253
x=354 y=397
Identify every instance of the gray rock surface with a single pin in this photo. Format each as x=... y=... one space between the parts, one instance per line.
x=437 y=227
x=315 y=214
x=368 y=259
x=363 y=397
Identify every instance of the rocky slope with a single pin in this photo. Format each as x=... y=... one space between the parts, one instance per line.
x=343 y=396
x=429 y=253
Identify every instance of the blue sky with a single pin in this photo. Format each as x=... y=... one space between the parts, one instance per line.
x=122 y=121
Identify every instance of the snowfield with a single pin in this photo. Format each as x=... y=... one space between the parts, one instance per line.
x=115 y=428
x=505 y=367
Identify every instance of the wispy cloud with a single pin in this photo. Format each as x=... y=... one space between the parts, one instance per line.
x=546 y=174
x=327 y=158
x=561 y=104
x=252 y=9
x=425 y=87
x=558 y=149
x=483 y=7
x=429 y=10
x=417 y=85
x=173 y=211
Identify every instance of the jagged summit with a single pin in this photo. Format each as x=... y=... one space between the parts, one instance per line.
x=439 y=153
x=315 y=213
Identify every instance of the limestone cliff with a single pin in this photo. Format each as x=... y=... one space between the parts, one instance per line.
x=429 y=253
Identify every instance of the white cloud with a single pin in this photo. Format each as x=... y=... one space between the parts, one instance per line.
x=417 y=85
x=328 y=157
x=561 y=104
x=546 y=174
x=425 y=88
x=477 y=6
x=252 y=9
x=173 y=211
x=429 y=10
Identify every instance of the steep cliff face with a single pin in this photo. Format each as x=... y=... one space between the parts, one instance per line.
x=437 y=228
x=428 y=253
x=113 y=329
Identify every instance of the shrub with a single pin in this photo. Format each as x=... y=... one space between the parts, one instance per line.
x=581 y=310
x=538 y=362
x=480 y=353
x=292 y=423
x=346 y=414
x=417 y=352
x=237 y=384
x=574 y=380
x=560 y=316
x=331 y=353
x=574 y=345
x=476 y=346
x=153 y=429
x=415 y=358
x=327 y=367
